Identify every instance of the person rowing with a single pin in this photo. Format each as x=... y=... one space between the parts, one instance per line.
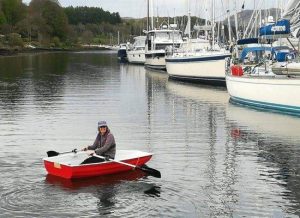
x=104 y=145
x=103 y=149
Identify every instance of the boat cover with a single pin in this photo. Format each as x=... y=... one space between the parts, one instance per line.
x=247 y=41
x=277 y=30
x=254 y=50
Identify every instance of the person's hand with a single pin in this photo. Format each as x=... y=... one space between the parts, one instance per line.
x=84 y=149
x=90 y=152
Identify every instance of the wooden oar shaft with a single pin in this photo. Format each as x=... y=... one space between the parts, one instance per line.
x=120 y=162
x=145 y=169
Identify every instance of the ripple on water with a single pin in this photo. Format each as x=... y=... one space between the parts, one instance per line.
x=216 y=159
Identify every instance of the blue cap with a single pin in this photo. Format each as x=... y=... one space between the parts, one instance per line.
x=102 y=123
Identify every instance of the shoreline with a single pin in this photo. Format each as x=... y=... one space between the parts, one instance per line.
x=13 y=51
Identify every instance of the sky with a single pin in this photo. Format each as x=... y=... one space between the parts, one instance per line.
x=138 y=8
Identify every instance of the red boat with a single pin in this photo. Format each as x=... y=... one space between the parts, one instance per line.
x=104 y=180
x=68 y=165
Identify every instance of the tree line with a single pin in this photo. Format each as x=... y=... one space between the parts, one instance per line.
x=46 y=23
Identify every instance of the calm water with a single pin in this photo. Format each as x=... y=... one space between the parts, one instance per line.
x=216 y=159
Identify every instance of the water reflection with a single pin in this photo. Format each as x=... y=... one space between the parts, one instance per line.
x=110 y=190
x=38 y=76
x=217 y=159
x=202 y=110
x=276 y=138
x=200 y=93
x=154 y=191
x=280 y=126
x=241 y=139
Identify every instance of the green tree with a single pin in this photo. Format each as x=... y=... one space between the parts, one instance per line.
x=13 y=10
x=2 y=18
x=49 y=18
x=87 y=37
x=56 y=19
x=91 y=15
x=14 y=39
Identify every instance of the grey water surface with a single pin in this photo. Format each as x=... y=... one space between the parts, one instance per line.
x=216 y=159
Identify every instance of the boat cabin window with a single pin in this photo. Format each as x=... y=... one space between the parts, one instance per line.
x=163 y=46
x=168 y=35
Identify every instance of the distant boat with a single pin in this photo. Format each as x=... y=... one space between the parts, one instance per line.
x=122 y=53
x=136 y=52
x=157 y=41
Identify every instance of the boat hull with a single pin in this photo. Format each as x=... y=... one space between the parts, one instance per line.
x=136 y=57
x=122 y=55
x=67 y=171
x=274 y=92
x=155 y=60
x=207 y=70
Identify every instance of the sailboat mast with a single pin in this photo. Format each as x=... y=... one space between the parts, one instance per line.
x=189 y=20
x=118 y=37
x=236 y=21
x=152 y=15
x=229 y=25
x=148 y=16
x=213 y=24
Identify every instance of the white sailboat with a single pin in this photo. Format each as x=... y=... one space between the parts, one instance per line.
x=204 y=64
x=263 y=84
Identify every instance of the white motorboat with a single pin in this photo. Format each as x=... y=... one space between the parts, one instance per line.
x=157 y=41
x=136 y=52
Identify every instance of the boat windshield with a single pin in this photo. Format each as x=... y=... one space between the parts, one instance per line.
x=252 y=55
x=168 y=35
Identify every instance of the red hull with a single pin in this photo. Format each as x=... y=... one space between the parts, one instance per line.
x=90 y=170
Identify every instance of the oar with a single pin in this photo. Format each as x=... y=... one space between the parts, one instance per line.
x=148 y=170
x=55 y=153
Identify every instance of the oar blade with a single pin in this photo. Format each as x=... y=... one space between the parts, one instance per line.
x=150 y=171
x=52 y=153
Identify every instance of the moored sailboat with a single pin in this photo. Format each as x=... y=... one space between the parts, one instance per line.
x=259 y=85
x=203 y=63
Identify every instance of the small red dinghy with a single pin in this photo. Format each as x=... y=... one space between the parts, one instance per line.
x=68 y=165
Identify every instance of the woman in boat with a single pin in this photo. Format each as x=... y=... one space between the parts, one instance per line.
x=104 y=145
